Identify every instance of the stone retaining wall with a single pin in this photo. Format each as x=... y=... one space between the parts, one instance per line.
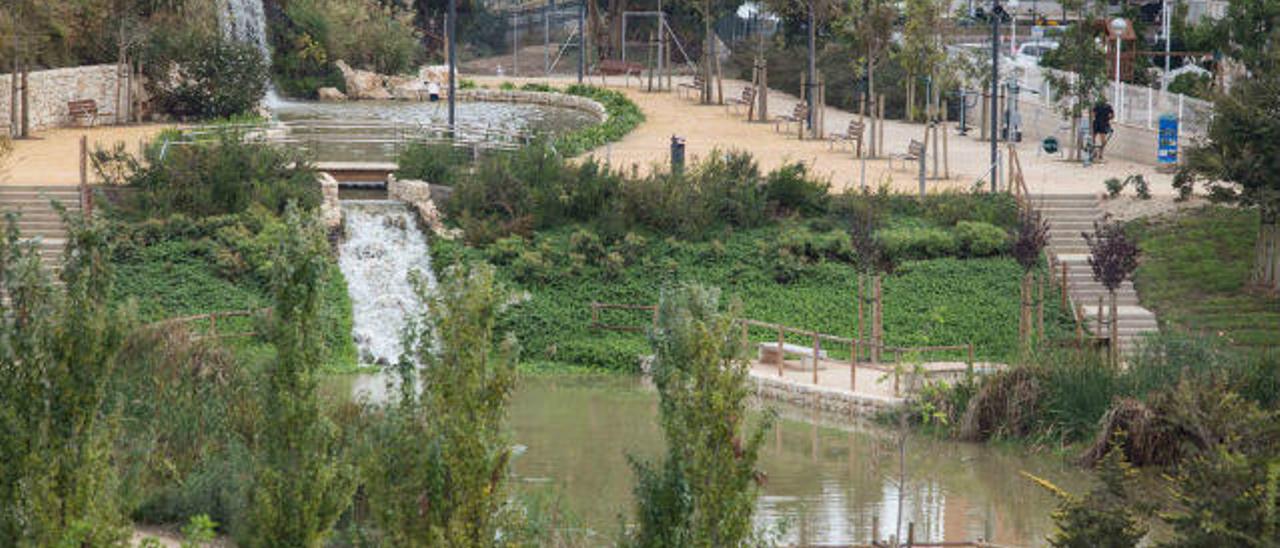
x=52 y=89
x=554 y=99
x=827 y=400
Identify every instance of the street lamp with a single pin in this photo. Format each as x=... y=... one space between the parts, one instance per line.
x=1165 y=22
x=1118 y=25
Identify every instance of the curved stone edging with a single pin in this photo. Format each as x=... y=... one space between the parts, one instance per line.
x=828 y=400
x=548 y=98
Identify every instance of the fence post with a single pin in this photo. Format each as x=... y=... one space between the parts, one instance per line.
x=781 y=356
x=816 y=349
x=1149 y=106
x=595 y=314
x=875 y=530
x=1064 y=285
x=853 y=367
x=655 y=316
x=911 y=534
x=970 y=359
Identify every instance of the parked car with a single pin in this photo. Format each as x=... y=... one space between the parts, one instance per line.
x=1029 y=53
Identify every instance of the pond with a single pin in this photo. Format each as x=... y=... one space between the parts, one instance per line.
x=471 y=116
x=827 y=477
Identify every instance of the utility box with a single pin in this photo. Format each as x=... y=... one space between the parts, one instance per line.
x=677 y=154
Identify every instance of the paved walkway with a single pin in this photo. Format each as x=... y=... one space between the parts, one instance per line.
x=52 y=157
x=709 y=127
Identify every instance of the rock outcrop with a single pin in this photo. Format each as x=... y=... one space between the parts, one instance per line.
x=363 y=84
x=331 y=95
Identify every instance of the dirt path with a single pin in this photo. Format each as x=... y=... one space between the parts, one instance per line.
x=710 y=127
x=53 y=156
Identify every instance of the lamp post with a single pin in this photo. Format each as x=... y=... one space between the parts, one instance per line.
x=995 y=94
x=1013 y=28
x=450 y=28
x=1118 y=25
x=1165 y=22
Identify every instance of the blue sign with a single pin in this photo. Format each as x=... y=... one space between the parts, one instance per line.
x=1167 y=141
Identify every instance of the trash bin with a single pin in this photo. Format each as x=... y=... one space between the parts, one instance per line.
x=677 y=154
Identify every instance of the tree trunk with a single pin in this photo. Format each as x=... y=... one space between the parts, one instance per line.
x=1075 y=138
x=1113 y=332
x=26 y=99
x=708 y=52
x=911 y=98
x=1266 y=271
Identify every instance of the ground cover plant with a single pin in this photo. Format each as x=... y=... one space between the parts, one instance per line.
x=193 y=229
x=571 y=235
x=1194 y=274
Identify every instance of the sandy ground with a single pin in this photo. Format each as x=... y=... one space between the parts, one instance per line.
x=52 y=157
x=709 y=127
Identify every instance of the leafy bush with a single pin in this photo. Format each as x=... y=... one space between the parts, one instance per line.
x=789 y=188
x=623 y=116
x=196 y=75
x=310 y=36
x=907 y=243
x=979 y=239
x=435 y=163
x=222 y=176
x=1114 y=187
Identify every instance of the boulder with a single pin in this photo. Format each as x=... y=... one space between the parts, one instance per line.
x=331 y=94
x=406 y=88
x=434 y=73
x=363 y=84
x=330 y=207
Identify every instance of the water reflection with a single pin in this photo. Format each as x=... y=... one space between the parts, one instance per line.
x=827 y=480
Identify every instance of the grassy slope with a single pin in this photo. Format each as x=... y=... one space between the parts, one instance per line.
x=177 y=278
x=936 y=302
x=1194 y=273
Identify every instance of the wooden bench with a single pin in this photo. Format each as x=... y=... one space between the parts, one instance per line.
x=851 y=134
x=748 y=96
x=85 y=109
x=615 y=67
x=770 y=354
x=694 y=87
x=799 y=114
x=915 y=151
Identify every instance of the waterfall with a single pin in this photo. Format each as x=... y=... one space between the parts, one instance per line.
x=246 y=21
x=382 y=244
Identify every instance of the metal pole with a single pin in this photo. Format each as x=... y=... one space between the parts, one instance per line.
x=515 y=45
x=813 y=68
x=582 y=39
x=1118 y=98
x=450 y=26
x=1165 y=22
x=546 y=36
x=995 y=93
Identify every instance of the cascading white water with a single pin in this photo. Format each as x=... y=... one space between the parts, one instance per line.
x=381 y=245
x=246 y=21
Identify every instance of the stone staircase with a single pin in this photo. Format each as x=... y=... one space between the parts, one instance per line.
x=37 y=220
x=1068 y=216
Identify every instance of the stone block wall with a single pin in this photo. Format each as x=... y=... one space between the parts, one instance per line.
x=1133 y=143
x=52 y=89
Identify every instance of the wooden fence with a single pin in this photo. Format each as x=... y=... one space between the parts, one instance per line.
x=211 y=320
x=854 y=349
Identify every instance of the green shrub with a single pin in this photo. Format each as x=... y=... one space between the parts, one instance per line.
x=979 y=239
x=623 y=114
x=790 y=189
x=909 y=243
x=435 y=163
x=1114 y=187
x=310 y=36
x=194 y=75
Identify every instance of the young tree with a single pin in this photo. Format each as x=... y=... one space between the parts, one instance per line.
x=1032 y=237
x=868 y=29
x=1240 y=163
x=921 y=52
x=302 y=478
x=704 y=493
x=1113 y=257
x=1106 y=517
x=57 y=482
x=1080 y=76
x=435 y=476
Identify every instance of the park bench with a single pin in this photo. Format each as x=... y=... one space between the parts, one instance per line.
x=770 y=354
x=799 y=114
x=915 y=151
x=614 y=67
x=851 y=134
x=748 y=96
x=85 y=109
x=694 y=87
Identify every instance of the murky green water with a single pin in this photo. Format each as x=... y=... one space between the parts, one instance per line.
x=826 y=478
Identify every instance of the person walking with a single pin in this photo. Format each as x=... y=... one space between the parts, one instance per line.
x=1102 y=115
